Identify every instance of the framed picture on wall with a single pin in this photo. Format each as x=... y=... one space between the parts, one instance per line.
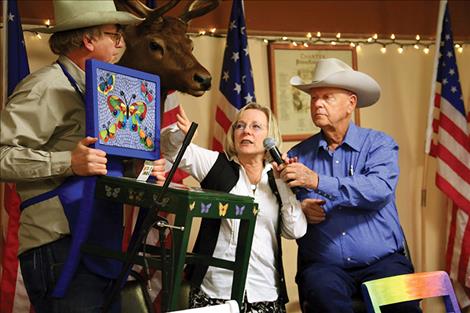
x=123 y=110
x=290 y=105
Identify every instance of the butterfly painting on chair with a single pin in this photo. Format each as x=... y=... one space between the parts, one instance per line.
x=205 y=207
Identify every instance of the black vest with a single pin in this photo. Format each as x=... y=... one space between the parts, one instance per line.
x=209 y=230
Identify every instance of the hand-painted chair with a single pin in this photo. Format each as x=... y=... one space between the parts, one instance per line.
x=358 y=305
x=135 y=297
x=409 y=287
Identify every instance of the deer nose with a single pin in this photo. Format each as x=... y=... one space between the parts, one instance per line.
x=204 y=81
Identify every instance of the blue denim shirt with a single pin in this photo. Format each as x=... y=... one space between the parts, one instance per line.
x=358 y=182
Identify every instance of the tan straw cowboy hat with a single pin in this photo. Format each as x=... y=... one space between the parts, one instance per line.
x=335 y=73
x=75 y=14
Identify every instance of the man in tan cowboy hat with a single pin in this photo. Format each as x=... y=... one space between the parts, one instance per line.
x=349 y=175
x=43 y=148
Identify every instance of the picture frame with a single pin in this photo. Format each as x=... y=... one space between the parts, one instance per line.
x=123 y=110
x=290 y=105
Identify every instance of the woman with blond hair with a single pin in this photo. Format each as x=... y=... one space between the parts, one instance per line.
x=243 y=169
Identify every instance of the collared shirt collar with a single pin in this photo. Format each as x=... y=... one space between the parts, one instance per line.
x=77 y=73
x=352 y=138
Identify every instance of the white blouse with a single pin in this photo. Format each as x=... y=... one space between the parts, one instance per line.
x=262 y=282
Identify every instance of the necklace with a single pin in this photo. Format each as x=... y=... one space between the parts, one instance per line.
x=253 y=187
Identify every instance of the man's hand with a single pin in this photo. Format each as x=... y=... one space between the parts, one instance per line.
x=298 y=175
x=88 y=161
x=313 y=210
x=159 y=170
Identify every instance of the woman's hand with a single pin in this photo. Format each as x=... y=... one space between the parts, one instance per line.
x=279 y=167
x=158 y=170
x=182 y=121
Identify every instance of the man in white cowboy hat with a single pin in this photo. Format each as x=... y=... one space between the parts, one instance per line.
x=43 y=149
x=349 y=175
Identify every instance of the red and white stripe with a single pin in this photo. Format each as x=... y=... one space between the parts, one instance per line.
x=450 y=144
x=453 y=155
x=225 y=113
x=453 y=178
x=448 y=139
x=452 y=150
x=13 y=298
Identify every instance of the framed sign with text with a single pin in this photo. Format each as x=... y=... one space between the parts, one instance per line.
x=290 y=105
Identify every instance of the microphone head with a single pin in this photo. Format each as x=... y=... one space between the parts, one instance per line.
x=269 y=143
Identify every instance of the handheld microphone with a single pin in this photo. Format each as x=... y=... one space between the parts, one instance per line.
x=269 y=144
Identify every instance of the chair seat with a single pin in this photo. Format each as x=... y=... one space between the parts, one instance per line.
x=134 y=297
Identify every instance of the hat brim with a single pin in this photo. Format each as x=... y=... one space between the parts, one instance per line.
x=91 y=19
x=364 y=86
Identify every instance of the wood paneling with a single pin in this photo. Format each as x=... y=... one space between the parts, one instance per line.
x=405 y=18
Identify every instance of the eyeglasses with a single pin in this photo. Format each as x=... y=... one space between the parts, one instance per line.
x=255 y=127
x=116 y=37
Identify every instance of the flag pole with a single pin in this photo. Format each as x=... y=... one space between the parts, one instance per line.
x=428 y=135
x=442 y=9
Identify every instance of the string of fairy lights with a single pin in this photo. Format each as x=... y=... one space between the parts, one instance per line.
x=384 y=43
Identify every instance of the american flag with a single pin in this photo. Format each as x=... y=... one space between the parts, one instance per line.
x=449 y=141
x=13 y=297
x=236 y=82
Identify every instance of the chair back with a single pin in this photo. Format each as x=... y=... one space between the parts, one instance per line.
x=409 y=287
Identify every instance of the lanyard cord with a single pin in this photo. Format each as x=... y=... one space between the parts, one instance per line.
x=72 y=81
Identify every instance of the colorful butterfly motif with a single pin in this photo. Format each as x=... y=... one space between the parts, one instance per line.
x=239 y=209
x=138 y=196
x=205 y=207
x=255 y=210
x=111 y=192
x=108 y=132
x=223 y=209
x=146 y=138
x=123 y=111
x=106 y=84
x=192 y=205
x=146 y=93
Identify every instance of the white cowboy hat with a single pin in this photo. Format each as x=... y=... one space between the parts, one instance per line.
x=74 y=14
x=335 y=73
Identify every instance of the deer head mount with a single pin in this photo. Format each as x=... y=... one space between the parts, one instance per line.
x=159 y=45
